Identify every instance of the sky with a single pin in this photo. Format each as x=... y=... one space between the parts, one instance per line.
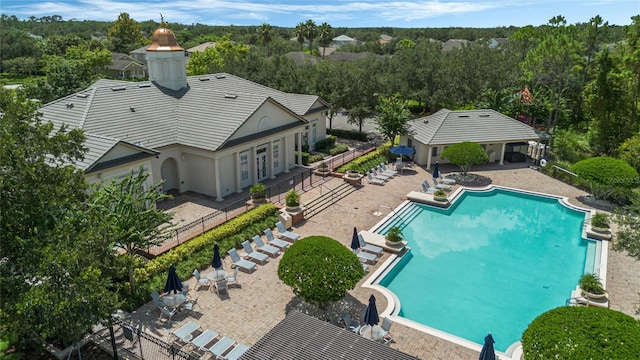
x=337 y=13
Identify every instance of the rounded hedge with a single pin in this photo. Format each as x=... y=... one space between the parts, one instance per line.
x=581 y=332
x=607 y=171
x=320 y=269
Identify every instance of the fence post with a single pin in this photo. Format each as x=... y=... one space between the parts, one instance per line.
x=202 y=219
x=113 y=342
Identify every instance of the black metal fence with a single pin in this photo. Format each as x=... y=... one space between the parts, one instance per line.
x=124 y=340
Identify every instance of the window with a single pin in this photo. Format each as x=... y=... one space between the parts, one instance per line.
x=276 y=158
x=314 y=134
x=434 y=151
x=244 y=166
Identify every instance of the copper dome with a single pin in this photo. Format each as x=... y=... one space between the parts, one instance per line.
x=164 y=40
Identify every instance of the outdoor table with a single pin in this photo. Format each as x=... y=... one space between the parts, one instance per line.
x=174 y=300
x=217 y=275
x=374 y=333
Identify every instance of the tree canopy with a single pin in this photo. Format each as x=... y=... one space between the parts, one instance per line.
x=320 y=269
x=392 y=118
x=465 y=155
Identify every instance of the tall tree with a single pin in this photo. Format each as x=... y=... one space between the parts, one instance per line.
x=125 y=34
x=217 y=58
x=52 y=281
x=264 y=32
x=325 y=36
x=393 y=114
x=127 y=209
x=310 y=32
x=299 y=32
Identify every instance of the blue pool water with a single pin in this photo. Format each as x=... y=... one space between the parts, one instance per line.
x=492 y=263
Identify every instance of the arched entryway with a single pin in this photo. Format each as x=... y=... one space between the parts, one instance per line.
x=169 y=173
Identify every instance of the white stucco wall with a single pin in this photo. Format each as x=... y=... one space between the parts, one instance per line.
x=268 y=116
x=199 y=174
x=120 y=172
x=227 y=168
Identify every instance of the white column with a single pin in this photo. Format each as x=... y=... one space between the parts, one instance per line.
x=299 y=136
x=429 y=150
x=504 y=147
x=254 y=165
x=216 y=170
x=236 y=159
x=285 y=150
x=271 y=169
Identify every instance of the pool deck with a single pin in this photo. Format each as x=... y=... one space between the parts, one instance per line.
x=262 y=300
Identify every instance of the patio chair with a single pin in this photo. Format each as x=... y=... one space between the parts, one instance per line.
x=384 y=171
x=274 y=241
x=200 y=281
x=168 y=312
x=386 y=325
x=254 y=255
x=237 y=351
x=222 y=346
x=157 y=300
x=190 y=304
x=379 y=176
x=267 y=249
x=368 y=257
x=221 y=286
x=286 y=233
x=233 y=278
x=373 y=180
x=352 y=325
x=185 y=289
x=365 y=267
x=131 y=334
x=248 y=266
x=368 y=247
x=202 y=340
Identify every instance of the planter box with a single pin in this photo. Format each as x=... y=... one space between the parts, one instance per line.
x=296 y=216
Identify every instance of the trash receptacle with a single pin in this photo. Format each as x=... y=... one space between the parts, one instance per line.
x=286 y=219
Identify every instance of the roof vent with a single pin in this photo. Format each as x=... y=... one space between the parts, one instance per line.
x=204 y=78
x=118 y=88
x=132 y=109
x=221 y=76
x=483 y=115
x=83 y=96
x=230 y=96
x=145 y=85
x=426 y=121
x=69 y=105
x=463 y=116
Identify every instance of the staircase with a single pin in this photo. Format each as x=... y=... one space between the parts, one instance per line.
x=327 y=199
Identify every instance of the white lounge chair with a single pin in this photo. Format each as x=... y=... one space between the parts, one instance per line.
x=368 y=257
x=237 y=351
x=241 y=263
x=254 y=255
x=373 y=180
x=267 y=249
x=274 y=241
x=202 y=340
x=379 y=176
x=444 y=187
x=286 y=233
x=384 y=171
x=185 y=332
x=222 y=346
x=368 y=247
x=426 y=188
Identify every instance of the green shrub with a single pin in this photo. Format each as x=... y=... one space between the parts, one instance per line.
x=600 y=220
x=338 y=149
x=305 y=158
x=326 y=143
x=607 y=171
x=582 y=332
x=348 y=134
x=319 y=269
x=292 y=199
x=591 y=284
x=365 y=162
x=258 y=191
x=314 y=158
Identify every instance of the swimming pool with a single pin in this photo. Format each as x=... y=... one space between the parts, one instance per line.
x=492 y=262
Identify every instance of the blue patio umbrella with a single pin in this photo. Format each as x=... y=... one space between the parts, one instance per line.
x=487 y=352
x=402 y=150
x=216 y=262
x=371 y=314
x=355 y=242
x=173 y=281
x=436 y=171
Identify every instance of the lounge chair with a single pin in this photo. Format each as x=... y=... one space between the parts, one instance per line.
x=368 y=247
x=447 y=181
x=368 y=257
x=241 y=263
x=267 y=249
x=254 y=255
x=373 y=180
x=386 y=325
x=379 y=176
x=202 y=340
x=444 y=187
x=352 y=325
x=274 y=241
x=222 y=346
x=200 y=281
x=237 y=351
x=286 y=233
x=384 y=171
x=428 y=188
x=185 y=332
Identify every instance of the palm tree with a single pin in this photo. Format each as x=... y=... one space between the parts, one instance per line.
x=264 y=32
x=325 y=36
x=299 y=33
x=310 y=32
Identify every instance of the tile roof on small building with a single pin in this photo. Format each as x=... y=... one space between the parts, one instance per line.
x=301 y=336
x=451 y=127
x=454 y=44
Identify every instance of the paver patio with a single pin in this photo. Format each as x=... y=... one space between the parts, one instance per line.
x=262 y=300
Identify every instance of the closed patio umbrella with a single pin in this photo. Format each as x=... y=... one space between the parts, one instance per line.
x=402 y=150
x=355 y=242
x=173 y=281
x=216 y=262
x=436 y=172
x=487 y=352
x=371 y=314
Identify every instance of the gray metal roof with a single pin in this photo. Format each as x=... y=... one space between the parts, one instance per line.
x=480 y=126
x=204 y=115
x=101 y=145
x=301 y=336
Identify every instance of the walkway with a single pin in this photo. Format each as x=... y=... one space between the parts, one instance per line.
x=262 y=300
